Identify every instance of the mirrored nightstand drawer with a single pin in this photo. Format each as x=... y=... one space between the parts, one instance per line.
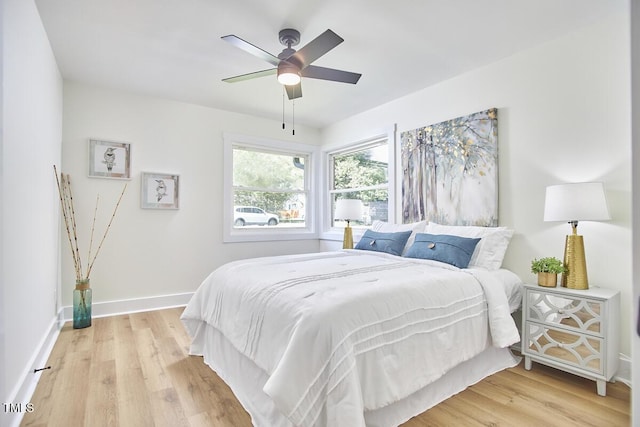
x=573 y=313
x=569 y=348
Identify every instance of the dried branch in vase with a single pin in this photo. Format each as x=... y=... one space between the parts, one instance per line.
x=69 y=217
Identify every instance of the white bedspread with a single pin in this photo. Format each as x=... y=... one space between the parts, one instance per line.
x=340 y=332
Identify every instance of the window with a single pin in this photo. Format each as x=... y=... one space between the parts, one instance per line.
x=362 y=172
x=267 y=190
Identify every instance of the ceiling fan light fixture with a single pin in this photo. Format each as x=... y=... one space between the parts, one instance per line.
x=288 y=74
x=292 y=64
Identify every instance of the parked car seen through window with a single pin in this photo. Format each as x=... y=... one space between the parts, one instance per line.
x=251 y=215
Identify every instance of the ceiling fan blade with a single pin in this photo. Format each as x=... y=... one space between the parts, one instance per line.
x=322 y=73
x=294 y=91
x=249 y=76
x=315 y=49
x=254 y=50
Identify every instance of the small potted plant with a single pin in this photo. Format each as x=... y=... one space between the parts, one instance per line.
x=547 y=270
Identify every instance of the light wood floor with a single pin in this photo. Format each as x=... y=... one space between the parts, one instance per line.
x=134 y=370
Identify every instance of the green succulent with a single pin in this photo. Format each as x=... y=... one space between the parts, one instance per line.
x=548 y=265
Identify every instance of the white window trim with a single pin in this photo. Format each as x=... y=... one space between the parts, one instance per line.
x=232 y=234
x=337 y=233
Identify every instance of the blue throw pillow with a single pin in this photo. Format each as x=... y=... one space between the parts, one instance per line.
x=453 y=250
x=391 y=243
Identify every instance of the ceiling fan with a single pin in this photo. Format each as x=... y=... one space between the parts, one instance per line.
x=291 y=65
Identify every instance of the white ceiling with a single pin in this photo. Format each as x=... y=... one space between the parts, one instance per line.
x=172 y=48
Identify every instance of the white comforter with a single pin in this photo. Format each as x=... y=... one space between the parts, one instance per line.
x=341 y=332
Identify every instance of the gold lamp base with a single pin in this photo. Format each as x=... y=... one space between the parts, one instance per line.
x=574 y=260
x=347 y=241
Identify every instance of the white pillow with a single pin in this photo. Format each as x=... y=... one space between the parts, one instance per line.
x=491 y=248
x=414 y=227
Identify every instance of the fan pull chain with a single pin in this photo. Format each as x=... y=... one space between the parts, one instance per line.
x=283 y=107
x=293 y=117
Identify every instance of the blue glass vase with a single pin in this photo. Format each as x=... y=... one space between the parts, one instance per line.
x=82 y=304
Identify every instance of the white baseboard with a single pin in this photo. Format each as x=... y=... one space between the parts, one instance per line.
x=113 y=308
x=27 y=383
x=624 y=370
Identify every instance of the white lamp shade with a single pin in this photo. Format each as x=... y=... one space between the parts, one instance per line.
x=348 y=209
x=584 y=201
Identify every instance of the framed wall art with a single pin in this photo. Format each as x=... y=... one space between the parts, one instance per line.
x=160 y=191
x=108 y=159
x=450 y=171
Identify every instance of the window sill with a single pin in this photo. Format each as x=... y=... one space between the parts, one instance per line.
x=235 y=236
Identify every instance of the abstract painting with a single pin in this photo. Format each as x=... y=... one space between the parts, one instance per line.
x=450 y=171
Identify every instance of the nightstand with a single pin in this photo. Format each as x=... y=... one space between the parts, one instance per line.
x=572 y=330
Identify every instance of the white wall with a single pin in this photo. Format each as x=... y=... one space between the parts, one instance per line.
x=3 y=342
x=635 y=108
x=563 y=116
x=150 y=252
x=30 y=146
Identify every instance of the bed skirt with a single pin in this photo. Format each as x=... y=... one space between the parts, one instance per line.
x=246 y=380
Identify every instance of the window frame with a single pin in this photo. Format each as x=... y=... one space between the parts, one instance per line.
x=329 y=232
x=257 y=234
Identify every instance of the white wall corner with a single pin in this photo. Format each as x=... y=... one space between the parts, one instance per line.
x=624 y=370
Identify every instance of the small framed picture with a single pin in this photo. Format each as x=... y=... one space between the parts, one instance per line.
x=108 y=159
x=160 y=191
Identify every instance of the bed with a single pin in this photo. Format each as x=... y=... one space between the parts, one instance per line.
x=370 y=336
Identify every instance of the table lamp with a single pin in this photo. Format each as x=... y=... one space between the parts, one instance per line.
x=348 y=210
x=572 y=203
